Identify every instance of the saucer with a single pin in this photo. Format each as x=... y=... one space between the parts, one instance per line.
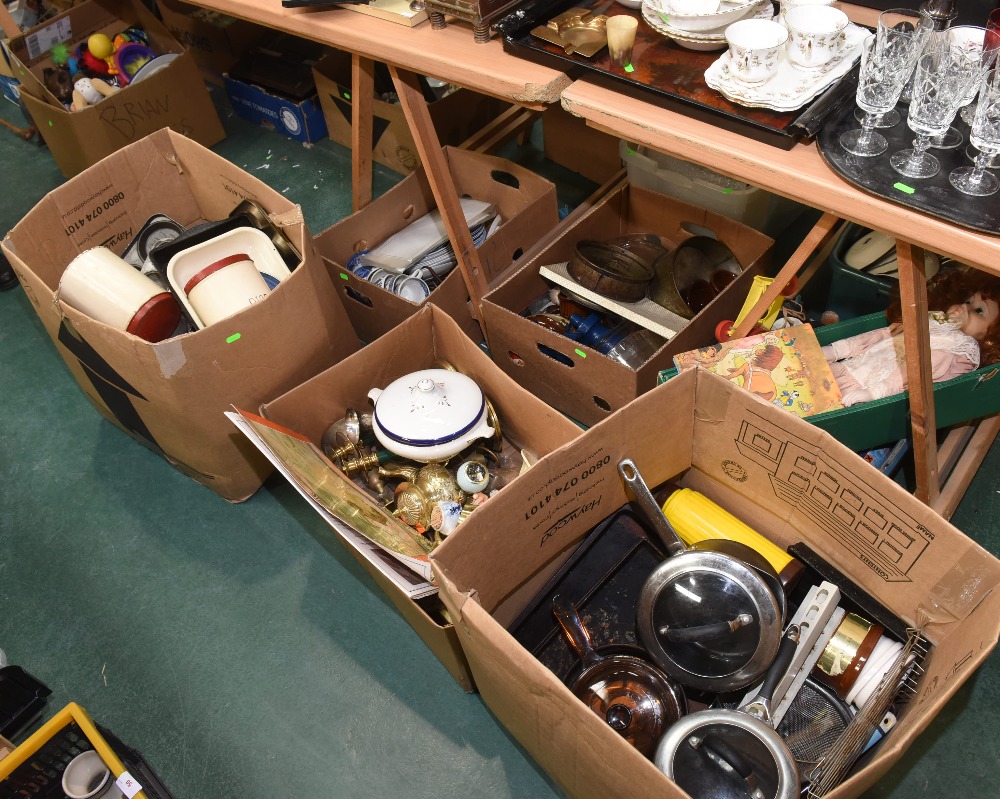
x=790 y=87
x=714 y=39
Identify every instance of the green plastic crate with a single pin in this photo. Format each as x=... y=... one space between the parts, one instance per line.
x=874 y=423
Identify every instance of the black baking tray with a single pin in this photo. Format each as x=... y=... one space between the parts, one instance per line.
x=603 y=579
x=934 y=195
x=668 y=75
x=22 y=698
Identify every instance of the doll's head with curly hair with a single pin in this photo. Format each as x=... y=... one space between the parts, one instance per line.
x=971 y=297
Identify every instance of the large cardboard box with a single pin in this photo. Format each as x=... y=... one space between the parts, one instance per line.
x=456 y=116
x=301 y=120
x=528 y=211
x=584 y=383
x=216 y=40
x=570 y=142
x=171 y=396
x=426 y=336
x=174 y=97
x=783 y=477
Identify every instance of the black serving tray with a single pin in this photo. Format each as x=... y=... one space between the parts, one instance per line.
x=934 y=196
x=668 y=75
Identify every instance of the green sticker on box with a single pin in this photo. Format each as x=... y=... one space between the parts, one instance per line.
x=581 y=353
x=347 y=95
x=343 y=276
x=232 y=338
x=904 y=188
x=727 y=191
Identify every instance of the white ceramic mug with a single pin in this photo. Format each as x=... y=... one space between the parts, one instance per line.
x=787 y=5
x=109 y=289
x=225 y=287
x=815 y=34
x=755 y=48
x=86 y=777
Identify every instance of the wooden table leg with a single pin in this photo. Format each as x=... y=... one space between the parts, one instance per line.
x=362 y=95
x=917 y=344
x=435 y=164
x=818 y=236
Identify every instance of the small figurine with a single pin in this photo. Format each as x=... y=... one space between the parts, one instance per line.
x=963 y=337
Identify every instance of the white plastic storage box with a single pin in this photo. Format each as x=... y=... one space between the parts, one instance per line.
x=701 y=186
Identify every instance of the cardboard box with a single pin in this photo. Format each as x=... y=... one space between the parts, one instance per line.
x=570 y=142
x=302 y=121
x=425 y=337
x=173 y=97
x=456 y=117
x=171 y=396
x=595 y=386
x=216 y=40
x=783 y=477
x=528 y=210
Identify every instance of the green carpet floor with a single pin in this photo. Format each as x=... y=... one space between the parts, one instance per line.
x=239 y=647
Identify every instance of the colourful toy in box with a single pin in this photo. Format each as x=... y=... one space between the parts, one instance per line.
x=785 y=367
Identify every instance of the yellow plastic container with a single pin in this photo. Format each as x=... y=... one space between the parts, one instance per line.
x=696 y=518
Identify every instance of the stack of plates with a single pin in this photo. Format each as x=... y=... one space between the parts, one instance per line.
x=702 y=31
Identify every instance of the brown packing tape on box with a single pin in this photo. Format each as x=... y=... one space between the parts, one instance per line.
x=525 y=201
x=595 y=386
x=790 y=480
x=171 y=396
x=428 y=334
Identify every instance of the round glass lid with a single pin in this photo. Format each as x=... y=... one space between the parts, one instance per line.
x=707 y=622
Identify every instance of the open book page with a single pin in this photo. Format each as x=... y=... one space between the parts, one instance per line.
x=362 y=522
x=786 y=367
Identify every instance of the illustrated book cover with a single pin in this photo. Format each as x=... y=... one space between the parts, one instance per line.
x=785 y=367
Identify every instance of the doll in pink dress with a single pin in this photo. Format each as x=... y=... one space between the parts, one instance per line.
x=963 y=337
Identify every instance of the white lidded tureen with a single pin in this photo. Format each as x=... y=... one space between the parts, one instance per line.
x=430 y=415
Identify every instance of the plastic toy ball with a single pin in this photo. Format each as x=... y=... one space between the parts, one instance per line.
x=100 y=45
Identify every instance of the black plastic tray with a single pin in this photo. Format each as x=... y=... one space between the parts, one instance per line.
x=669 y=76
x=603 y=579
x=22 y=698
x=935 y=195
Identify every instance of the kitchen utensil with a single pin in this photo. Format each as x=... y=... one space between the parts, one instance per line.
x=814 y=721
x=690 y=276
x=708 y=618
x=830 y=771
x=634 y=697
x=719 y=753
x=610 y=270
x=430 y=415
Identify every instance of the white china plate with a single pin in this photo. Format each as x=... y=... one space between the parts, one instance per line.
x=728 y=13
x=791 y=87
x=699 y=40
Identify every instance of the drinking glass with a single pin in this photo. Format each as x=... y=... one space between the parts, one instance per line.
x=991 y=58
x=938 y=85
x=967 y=45
x=880 y=80
x=901 y=30
x=985 y=136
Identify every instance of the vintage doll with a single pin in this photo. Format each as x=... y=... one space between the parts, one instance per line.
x=964 y=333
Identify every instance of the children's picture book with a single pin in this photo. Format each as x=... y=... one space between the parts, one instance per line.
x=785 y=367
